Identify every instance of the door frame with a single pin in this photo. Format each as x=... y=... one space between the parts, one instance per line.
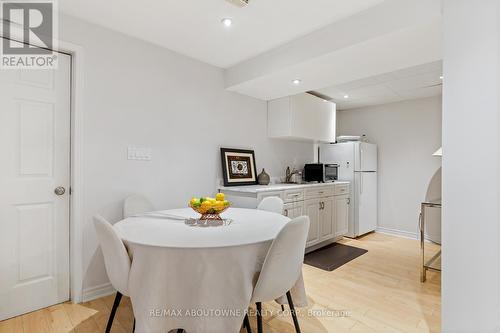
x=76 y=221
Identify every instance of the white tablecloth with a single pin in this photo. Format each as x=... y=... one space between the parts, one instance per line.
x=197 y=278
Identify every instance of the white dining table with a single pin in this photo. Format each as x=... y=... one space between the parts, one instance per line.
x=197 y=278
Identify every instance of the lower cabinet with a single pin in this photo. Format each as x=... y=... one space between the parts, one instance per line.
x=294 y=209
x=327 y=218
x=341 y=214
x=312 y=209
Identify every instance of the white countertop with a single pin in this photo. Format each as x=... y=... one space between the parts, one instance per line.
x=275 y=187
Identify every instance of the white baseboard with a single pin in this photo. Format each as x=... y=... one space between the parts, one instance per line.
x=396 y=232
x=98 y=291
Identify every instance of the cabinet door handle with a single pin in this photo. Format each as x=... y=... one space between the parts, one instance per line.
x=320 y=205
x=348 y=201
x=286 y=212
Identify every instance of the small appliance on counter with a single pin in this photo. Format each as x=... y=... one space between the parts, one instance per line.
x=331 y=173
x=321 y=173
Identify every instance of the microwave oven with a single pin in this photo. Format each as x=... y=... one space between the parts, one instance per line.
x=322 y=173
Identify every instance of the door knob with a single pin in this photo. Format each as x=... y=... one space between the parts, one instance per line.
x=59 y=190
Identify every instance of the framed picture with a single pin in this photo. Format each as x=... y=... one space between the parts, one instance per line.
x=238 y=167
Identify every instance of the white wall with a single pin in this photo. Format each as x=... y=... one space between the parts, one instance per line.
x=471 y=165
x=407 y=133
x=139 y=94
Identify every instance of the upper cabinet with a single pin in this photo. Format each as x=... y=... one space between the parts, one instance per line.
x=301 y=117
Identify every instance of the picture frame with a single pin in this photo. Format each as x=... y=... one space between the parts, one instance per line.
x=238 y=167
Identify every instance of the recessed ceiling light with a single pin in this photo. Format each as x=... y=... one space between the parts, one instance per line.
x=346 y=96
x=441 y=77
x=296 y=81
x=227 y=22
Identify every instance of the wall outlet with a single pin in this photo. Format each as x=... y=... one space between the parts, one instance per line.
x=139 y=153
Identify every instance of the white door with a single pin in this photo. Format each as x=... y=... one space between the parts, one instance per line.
x=341 y=215
x=311 y=209
x=35 y=160
x=326 y=220
x=366 y=202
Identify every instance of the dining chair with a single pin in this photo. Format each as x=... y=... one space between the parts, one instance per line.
x=282 y=267
x=136 y=204
x=271 y=204
x=116 y=261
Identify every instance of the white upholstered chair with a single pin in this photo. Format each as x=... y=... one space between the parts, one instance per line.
x=271 y=204
x=136 y=204
x=282 y=267
x=116 y=260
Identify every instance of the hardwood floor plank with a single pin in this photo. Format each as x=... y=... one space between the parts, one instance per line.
x=58 y=319
x=13 y=325
x=36 y=322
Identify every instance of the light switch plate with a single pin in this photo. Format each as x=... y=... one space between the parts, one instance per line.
x=139 y=153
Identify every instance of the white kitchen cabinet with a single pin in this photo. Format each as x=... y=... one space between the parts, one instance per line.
x=341 y=214
x=327 y=218
x=312 y=209
x=326 y=205
x=294 y=209
x=263 y=195
x=303 y=116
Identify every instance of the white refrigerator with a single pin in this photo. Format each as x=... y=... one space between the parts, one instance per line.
x=357 y=164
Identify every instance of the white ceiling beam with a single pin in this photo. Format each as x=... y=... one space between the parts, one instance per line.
x=320 y=57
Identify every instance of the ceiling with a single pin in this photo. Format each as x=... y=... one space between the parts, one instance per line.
x=376 y=51
x=193 y=28
x=388 y=37
x=409 y=83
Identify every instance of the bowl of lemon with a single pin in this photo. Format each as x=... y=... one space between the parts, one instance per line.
x=210 y=208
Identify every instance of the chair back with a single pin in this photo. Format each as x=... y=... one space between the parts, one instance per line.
x=136 y=204
x=115 y=254
x=283 y=263
x=271 y=204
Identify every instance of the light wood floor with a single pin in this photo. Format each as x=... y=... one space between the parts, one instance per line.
x=380 y=292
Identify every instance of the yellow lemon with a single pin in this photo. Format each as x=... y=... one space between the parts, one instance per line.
x=206 y=205
x=194 y=200
x=219 y=197
x=226 y=203
x=219 y=205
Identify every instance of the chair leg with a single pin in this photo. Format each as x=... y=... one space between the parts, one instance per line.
x=259 y=317
x=292 y=310
x=133 y=328
x=246 y=324
x=282 y=307
x=118 y=298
